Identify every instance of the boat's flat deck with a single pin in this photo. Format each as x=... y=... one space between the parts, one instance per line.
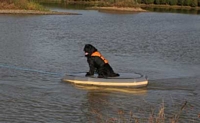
x=124 y=80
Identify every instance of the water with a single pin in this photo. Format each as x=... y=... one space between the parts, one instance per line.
x=163 y=46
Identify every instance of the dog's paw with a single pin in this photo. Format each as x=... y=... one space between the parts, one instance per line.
x=88 y=74
x=117 y=74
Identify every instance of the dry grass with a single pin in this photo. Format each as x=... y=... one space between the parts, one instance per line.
x=20 y=4
x=128 y=9
x=98 y=115
x=5 y=5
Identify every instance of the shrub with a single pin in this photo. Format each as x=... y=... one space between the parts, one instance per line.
x=173 y=2
x=194 y=3
x=167 y=1
x=198 y=2
x=186 y=2
x=21 y=4
x=180 y=2
x=35 y=6
x=162 y=1
x=148 y=1
x=139 y=1
x=157 y=1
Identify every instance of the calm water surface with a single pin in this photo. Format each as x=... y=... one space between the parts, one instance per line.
x=164 y=46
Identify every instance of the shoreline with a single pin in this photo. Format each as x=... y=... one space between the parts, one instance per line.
x=34 y=12
x=168 y=6
x=37 y=12
x=122 y=9
x=139 y=8
x=117 y=9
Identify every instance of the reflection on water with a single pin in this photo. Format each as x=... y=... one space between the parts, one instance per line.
x=102 y=107
x=140 y=91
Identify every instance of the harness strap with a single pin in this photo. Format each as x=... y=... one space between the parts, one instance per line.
x=99 y=55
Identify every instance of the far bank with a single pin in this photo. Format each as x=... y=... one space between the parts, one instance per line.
x=27 y=7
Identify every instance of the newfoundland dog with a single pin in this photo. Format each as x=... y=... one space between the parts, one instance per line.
x=97 y=63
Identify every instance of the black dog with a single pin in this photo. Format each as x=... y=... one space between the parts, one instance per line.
x=97 y=63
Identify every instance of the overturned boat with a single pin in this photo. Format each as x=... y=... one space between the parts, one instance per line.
x=133 y=80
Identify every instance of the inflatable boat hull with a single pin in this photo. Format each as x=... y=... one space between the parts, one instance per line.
x=124 y=80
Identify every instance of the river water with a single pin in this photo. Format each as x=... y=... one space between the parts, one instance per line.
x=163 y=46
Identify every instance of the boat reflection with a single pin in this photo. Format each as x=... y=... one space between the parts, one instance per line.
x=139 y=91
x=106 y=104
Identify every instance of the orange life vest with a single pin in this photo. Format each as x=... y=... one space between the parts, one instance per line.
x=99 y=55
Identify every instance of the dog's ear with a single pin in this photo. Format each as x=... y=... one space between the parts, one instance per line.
x=89 y=49
x=89 y=46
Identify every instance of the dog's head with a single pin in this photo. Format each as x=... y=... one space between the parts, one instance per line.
x=89 y=49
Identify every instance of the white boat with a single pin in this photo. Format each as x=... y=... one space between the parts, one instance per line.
x=133 y=80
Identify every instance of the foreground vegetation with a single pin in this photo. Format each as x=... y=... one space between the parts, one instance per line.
x=147 y=114
x=21 y=4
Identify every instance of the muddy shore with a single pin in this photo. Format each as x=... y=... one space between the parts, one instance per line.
x=35 y=12
x=125 y=9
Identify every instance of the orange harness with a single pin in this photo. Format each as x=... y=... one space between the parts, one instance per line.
x=99 y=55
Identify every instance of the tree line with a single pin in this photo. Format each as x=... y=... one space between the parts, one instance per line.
x=192 y=3
x=21 y=4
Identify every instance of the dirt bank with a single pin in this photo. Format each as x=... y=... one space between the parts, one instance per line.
x=35 y=12
x=128 y=9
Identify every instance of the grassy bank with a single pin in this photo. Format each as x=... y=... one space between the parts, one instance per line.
x=176 y=4
x=27 y=7
x=21 y=4
x=124 y=9
x=168 y=6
